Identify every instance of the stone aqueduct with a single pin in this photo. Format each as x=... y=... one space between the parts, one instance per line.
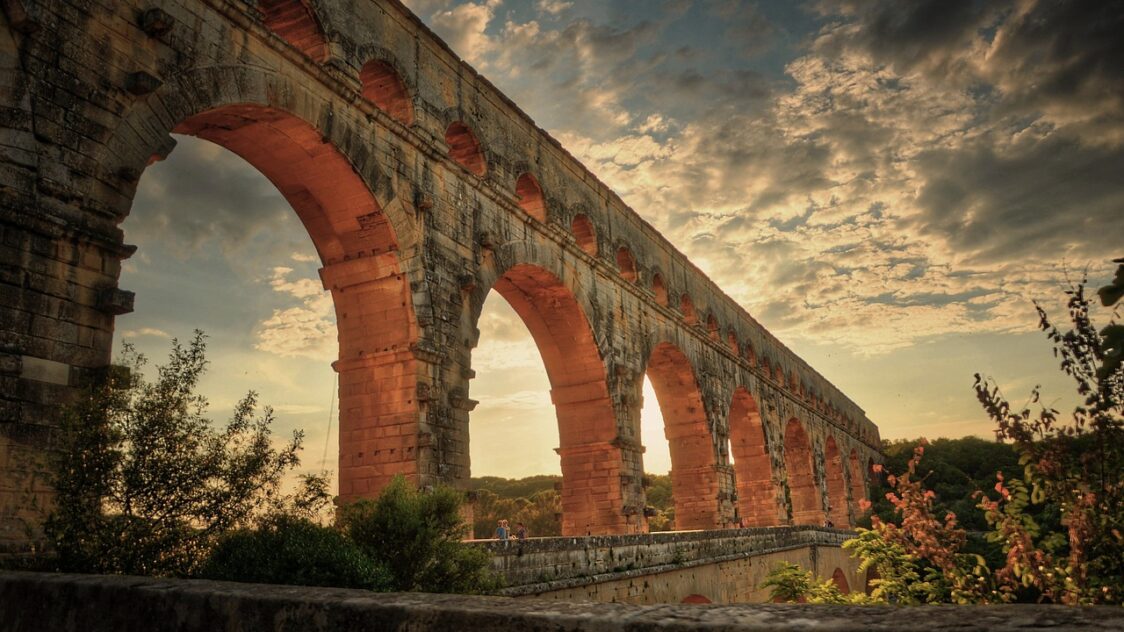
x=423 y=189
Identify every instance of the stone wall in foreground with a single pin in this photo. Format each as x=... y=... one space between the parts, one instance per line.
x=33 y=602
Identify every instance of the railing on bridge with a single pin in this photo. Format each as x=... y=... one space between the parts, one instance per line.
x=537 y=565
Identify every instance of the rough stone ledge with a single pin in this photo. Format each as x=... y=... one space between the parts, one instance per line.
x=798 y=535
x=94 y=603
x=597 y=578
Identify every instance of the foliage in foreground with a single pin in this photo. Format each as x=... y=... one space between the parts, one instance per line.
x=416 y=537
x=294 y=551
x=788 y=582
x=1076 y=468
x=146 y=484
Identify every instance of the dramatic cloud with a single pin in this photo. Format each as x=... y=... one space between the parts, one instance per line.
x=205 y=196
x=305 y=330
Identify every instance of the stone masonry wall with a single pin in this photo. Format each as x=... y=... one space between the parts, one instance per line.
x=32 y=602
x=725 y=566
x=554 y=561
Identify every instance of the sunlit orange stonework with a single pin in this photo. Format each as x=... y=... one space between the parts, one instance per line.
x=423 y=189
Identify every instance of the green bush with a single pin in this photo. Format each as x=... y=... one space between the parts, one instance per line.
x=294 y=551
x=416 y=536
x=146 y=483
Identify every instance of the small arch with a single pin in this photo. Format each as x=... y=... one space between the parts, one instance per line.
x=659 y=289
x=295 y=22
x=694 y=478
x=804 y=495
x=858 y=489
x=687 y=306
x=530 y=196
x=871 y=575
x=732 y=340
x=584 y=234
x=778 y=375
x=590 y=462
x=465 y=149
x=712 y=326
x=696 y=599
x=840 y=580
x=750 y=354
x=626 y=263
x=753 y=470
x=836 y=488
x=383 y=87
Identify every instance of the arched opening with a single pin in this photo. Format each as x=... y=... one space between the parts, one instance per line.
x=530 y=197
x=294 y=22
x=712 y=327
x=383 y=87
x=836 y=487
x=626 y=263
x=590 y=461
x=752 y=468
x=858 y=489
x=687 y=307
x=694 y=479
x=732 y=341
x=464 y=149
x=871 y=576
x=839 y=578
x=659 y=289
x=328 y=197
x=750 y=355
x=803 y=494
x=695 y=599
x=584 y=234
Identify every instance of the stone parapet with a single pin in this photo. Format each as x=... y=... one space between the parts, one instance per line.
x=34 y=602
x=538 y=565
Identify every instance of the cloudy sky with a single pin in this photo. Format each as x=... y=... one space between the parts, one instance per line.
x=886 y=186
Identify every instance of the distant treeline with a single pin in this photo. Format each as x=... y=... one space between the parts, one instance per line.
x=537 y=502
x=954 y=469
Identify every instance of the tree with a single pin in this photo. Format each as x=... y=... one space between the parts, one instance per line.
x=146 y=483
x=1077 y=466
x=295 y=551
x=788 y=583
x=416 y=536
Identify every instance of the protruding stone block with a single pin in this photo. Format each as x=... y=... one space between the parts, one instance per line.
x=115 y=301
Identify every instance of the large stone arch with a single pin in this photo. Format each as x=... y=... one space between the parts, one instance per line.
x=836 y=485
x=291 y=138
x=550 y=302
x=752 y=467
x=142 y=136
x=800 y=474
x=694 y=472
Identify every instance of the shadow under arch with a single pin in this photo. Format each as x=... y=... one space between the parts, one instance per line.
x=547 y=301
x=752 y=466
x=836 y=486
x=326 y=178
x=858 y=488
x=804 y=495
x=694 y=475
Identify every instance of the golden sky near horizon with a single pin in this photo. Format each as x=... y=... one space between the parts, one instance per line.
x=885 y=186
